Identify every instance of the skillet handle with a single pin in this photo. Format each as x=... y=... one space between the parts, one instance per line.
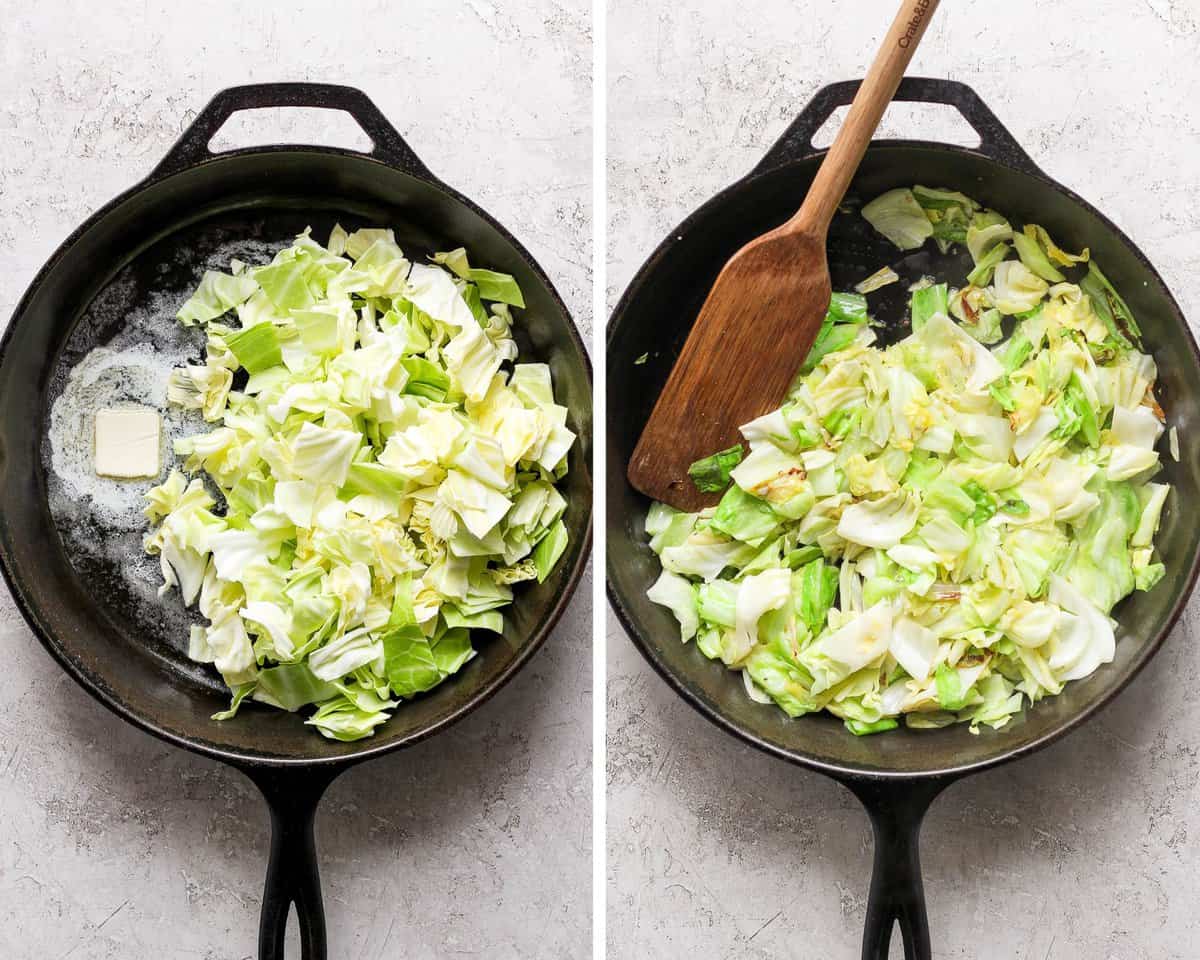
x=897 y=893
x=995 y=142
x=292 y=873
x=192 y=147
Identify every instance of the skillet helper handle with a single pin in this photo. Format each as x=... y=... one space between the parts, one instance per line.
x=876 y=92
x=292 y=873
x=897 y=893
x=995 y=141
x=192 y=147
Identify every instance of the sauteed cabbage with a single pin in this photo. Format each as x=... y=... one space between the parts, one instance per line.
x=936 y=531
x=385 y=476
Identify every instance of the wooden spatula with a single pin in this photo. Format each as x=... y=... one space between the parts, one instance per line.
x=765 y=310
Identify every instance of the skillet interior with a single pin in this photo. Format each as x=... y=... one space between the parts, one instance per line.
x=654 y=317
x=144 y=253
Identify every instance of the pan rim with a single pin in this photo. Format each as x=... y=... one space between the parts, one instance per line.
x=249 y=760
x=848 y=772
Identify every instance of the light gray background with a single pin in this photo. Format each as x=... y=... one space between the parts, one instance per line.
x=1086 y=850
x=476 y=843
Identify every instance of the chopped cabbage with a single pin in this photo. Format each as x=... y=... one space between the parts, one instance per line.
x=711 y=474
x=380 y=475
x=899 y=217
x=876 y=281
x=935 y=531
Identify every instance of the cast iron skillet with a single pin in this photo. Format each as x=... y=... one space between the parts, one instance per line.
x=898 y=774
x=158 y=237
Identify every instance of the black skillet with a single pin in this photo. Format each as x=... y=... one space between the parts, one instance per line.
x=895 y=775
x=155 y=239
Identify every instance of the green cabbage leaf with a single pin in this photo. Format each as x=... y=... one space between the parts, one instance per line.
x=939 y=530
x=381 y=471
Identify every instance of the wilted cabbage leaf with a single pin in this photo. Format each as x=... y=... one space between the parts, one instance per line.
x=935 y=531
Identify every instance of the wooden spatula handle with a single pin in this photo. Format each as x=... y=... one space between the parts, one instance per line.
x=876 y=92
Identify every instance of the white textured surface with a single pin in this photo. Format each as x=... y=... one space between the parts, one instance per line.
x=1086 y=850
x=113 y=845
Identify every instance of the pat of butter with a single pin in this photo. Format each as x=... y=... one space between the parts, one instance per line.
x=127 y=443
